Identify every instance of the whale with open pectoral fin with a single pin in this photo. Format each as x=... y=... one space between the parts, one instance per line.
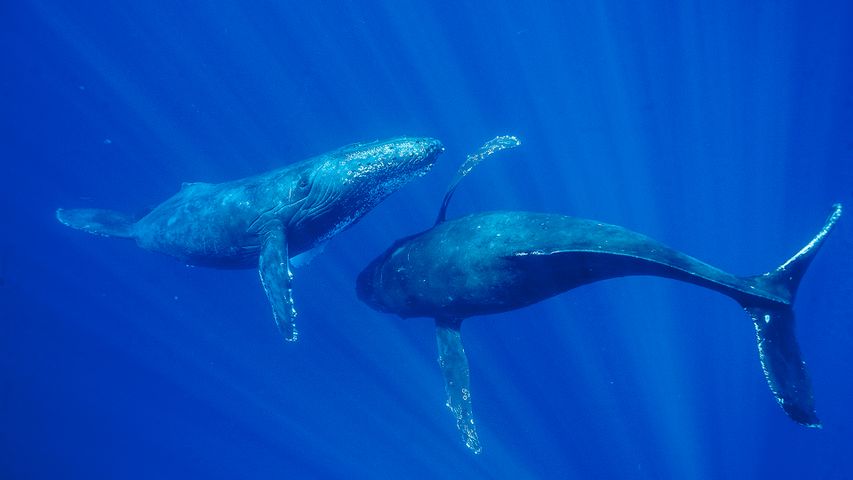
x=499 y=261
x=265 y=220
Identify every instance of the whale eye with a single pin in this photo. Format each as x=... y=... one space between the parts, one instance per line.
x=303 y=182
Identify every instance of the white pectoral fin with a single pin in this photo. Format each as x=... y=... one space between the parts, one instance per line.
x=277 y=279
x=305 y=258
x=454 y=368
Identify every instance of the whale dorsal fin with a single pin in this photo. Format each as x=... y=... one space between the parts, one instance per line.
x=502 y=142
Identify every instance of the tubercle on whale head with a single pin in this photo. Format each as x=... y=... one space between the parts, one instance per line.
x=386 y=164
x=347 y=183
x=378 y=163
x=362 y=175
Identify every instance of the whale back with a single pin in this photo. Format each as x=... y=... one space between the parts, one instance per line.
x=498 y=261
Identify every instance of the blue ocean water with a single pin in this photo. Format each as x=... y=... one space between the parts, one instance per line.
x=724 y=129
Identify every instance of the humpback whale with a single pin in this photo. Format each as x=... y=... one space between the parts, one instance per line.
x=265 y=220
x=495 y=262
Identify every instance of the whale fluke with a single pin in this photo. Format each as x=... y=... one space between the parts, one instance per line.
x=107 y=223
x=778 y=351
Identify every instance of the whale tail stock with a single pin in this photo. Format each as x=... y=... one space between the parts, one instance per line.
x=96 y=221
x=778 y=351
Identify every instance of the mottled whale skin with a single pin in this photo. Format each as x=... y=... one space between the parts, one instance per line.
x=494 y=262
x=265 y=220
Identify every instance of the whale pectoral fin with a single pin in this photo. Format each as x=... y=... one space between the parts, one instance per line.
x=496 y=144
x=277 y=279
x=457 y=384
x=97 y=221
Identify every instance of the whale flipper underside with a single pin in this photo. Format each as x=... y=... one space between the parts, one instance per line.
x=107 y=223
x=501 y=142
x=277 y=279
x=457 y=381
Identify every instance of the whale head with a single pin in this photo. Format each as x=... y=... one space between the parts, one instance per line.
x=343 y=185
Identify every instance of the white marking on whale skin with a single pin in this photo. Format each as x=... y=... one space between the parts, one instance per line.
x=530 y=253
x=342 y=225
x=374 y=198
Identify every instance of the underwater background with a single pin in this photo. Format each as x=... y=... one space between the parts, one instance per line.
x=723 y=129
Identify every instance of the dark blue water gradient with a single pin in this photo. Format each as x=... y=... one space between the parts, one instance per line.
x=720 y=128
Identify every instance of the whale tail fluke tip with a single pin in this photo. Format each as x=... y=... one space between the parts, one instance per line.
x=782 y=362
x=106 y=223
x=778 y=350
